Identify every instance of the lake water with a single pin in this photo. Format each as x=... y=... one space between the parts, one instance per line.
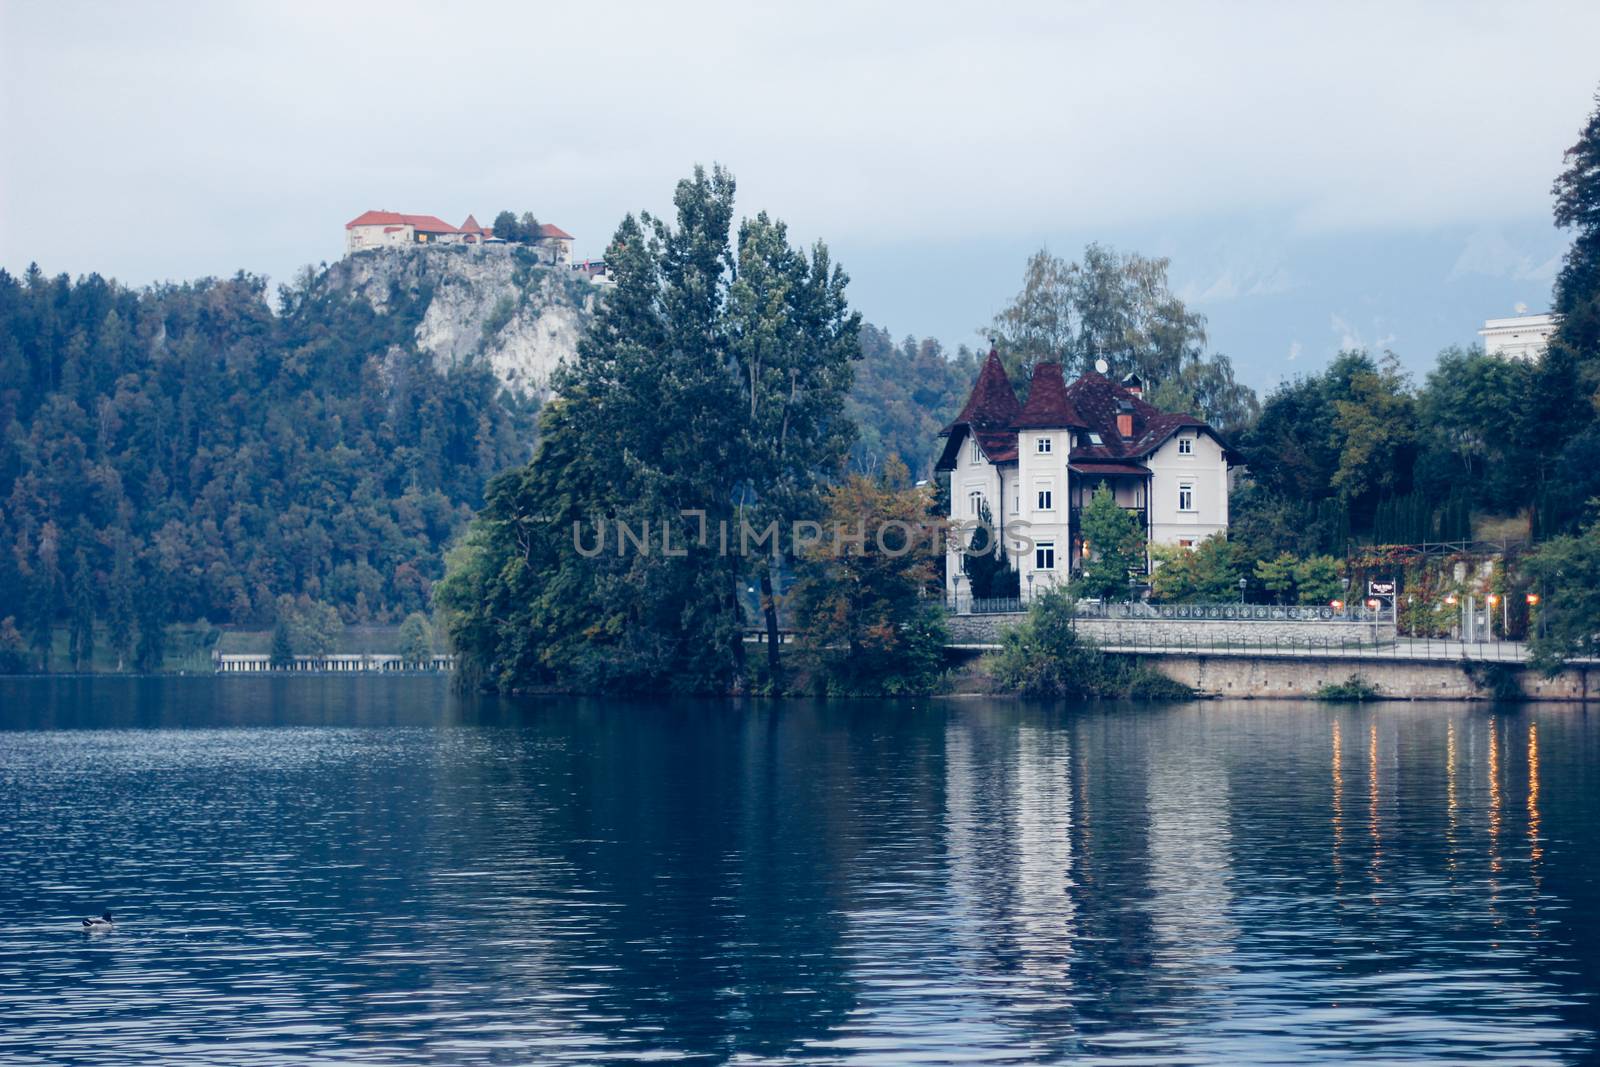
x=376 y=871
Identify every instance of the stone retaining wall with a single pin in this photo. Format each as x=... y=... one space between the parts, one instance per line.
x=1243 y=675
x=1188 y=633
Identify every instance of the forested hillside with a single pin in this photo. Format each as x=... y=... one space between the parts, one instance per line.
x=195 y=452
x=184 y=452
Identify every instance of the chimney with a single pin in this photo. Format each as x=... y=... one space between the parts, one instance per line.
x=1125 y=418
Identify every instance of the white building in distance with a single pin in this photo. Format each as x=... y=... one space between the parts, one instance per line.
x=1034 y=467
x=1523 y=337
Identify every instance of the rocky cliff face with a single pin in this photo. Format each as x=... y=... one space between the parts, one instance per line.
x=498 y=304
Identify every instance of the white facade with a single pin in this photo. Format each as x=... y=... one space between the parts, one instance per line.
x=358 y=238
x=1188 y=489
x=1523 y=337
x=1043 y=493
x=974 y=482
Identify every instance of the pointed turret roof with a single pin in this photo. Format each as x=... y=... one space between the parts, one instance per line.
x=993 y=403
x=471 y=226
x=1048 y=406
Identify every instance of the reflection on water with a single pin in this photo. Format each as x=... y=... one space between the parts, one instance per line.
x=373 y=870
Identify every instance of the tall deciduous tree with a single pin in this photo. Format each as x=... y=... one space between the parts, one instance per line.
x=792 y=338
x=1120 y=308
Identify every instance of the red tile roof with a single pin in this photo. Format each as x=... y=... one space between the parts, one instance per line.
x=470 y=226
x=421 y=223
x=547 y=230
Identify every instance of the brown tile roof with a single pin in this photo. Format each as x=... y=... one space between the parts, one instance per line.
x=1048 y=406
x=993 y=403
x=547 y=230
x=1092 y=403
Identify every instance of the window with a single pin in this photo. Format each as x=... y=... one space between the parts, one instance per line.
x=977 y=453
x=1095 y=439
x=1044 y=555
x=1185 y=496
x=1185 y=542
x=974 y=502
x=1185 y=446
x=1044 y=445
x=1045 y=503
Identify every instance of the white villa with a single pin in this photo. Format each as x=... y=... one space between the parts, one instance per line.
x=390 y=229
x=1524 y=337
x=1035 y=466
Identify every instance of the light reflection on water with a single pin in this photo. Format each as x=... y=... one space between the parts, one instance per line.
x=373 y=870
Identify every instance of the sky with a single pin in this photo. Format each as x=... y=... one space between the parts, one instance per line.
x=1344 y=175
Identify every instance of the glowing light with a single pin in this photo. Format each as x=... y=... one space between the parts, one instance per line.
x=1451 y=600
x=1494 y=598
x=1336 y=605
x=1533 y=598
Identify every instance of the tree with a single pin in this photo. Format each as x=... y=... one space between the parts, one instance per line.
x=1565 y=571
x=1120 y=308
x=14 y=658
x=1208 y=573
x=152 y=607
x=902 y=396
x=864 y=605
x=80 y=642
x=1376 y=425
x=1276 y=576
x=987 y=566
x=120 y=603
x=1316 y=580
x=705 y=398
x=507 y=227
x=792 y=338
x=416 y=640
x=282 y=656
x=1044 y=657
x=313 y=626
x=1577 y=289
x=1116 y=547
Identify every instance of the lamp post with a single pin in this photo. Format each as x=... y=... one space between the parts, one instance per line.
x=1242 y=584
x=1030 y=587
x=958 y=592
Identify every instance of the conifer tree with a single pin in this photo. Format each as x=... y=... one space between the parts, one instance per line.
x=81 y=639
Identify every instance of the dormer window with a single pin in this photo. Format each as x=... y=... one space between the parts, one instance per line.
x=1044 y=446
x=1185 y=446
x=1094 y=439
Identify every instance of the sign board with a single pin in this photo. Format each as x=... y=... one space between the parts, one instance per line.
x=1381 y=587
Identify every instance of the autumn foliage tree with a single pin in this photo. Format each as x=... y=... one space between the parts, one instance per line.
x=868 y=603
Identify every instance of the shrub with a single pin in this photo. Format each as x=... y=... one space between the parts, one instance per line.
x=1045 y=657
x=1353 y=690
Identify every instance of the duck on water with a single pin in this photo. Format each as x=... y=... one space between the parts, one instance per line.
x=100 y=925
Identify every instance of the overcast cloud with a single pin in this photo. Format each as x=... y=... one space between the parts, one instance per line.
x=1361 y=174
